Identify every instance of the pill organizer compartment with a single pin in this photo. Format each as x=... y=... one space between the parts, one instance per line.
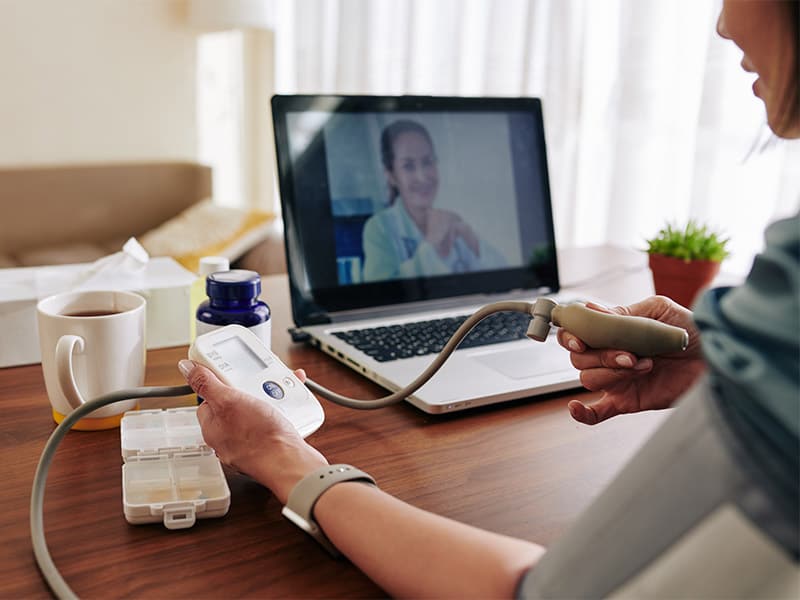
x=169 y=474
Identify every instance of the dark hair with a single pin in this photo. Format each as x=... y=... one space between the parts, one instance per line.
x=791 y=102
x=388 y=137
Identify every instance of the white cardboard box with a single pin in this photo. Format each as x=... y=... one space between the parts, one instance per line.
x=163 y=282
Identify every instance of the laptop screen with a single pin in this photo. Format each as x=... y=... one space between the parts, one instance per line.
x=388 y=200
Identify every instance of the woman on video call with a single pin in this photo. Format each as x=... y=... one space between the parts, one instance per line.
x=708 y=507
x=411 y=238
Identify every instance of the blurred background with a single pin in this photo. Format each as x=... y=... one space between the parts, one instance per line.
x=649 y=117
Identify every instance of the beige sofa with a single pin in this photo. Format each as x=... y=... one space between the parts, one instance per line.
x=78 y=213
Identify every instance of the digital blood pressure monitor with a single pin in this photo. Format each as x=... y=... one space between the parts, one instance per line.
x=241 y=360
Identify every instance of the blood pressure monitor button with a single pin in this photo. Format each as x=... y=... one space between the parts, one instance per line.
x=273 y=389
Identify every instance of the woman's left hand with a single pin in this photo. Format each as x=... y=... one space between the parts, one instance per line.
x=249 y=434
x=466 y=233
x=440 y=230
x=629 y=383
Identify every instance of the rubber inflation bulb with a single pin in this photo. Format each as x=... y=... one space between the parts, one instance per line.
x=639 y=335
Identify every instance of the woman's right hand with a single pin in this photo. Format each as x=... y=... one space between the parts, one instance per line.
x=629 y=383
x=440 y=230
x=251 y=435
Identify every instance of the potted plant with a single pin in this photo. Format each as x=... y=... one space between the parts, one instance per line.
x=685 y=260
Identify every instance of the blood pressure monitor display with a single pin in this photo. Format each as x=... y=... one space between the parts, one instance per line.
x=239 y=355
x=240 y=359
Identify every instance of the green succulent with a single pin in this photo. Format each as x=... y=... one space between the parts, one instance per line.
x=693 y=242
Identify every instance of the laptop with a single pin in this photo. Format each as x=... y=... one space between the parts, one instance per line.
x=402 y=216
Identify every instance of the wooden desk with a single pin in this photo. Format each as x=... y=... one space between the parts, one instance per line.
x=524 y=469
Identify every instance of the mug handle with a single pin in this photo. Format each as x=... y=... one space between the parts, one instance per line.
x=65 y=347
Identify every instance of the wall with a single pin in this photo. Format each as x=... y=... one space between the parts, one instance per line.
x=96 y=80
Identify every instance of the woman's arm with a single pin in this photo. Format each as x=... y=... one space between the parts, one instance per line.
x=380 y=260
x=405 y=550
x=410 y=552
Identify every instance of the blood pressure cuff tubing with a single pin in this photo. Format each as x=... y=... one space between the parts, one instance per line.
x=694 y=472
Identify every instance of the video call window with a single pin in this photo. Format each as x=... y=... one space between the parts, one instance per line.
x=420 y=194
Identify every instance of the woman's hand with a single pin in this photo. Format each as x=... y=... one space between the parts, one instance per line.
x=443 y=227
x=249 y=434
x=466 y=233
x=630 y=384
x=440 y=230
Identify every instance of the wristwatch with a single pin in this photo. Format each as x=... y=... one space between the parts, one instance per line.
x=299 y=508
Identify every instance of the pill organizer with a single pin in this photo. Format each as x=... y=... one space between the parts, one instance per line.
x=169 y=474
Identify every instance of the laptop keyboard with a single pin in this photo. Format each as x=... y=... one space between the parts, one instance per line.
x=429 y=337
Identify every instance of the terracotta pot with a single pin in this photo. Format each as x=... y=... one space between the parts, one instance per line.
x=681 y=280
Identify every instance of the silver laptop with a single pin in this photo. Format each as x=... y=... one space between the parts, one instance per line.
x=402 y=216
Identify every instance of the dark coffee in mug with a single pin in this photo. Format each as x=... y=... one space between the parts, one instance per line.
x=92 y=313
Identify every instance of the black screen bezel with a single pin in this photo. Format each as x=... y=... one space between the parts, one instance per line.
x=313 y=306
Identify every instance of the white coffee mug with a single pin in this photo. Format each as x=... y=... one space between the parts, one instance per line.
x=92 y=343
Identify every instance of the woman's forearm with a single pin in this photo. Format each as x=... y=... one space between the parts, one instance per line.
x=411 y=552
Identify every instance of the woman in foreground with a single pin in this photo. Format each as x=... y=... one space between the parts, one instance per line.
x=709 y=506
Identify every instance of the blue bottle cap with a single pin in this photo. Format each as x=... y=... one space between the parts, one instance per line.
x=236 y=285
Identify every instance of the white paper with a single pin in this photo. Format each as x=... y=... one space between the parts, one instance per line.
x=126 y=269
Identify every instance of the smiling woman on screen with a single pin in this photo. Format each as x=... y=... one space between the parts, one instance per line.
x=412 y=238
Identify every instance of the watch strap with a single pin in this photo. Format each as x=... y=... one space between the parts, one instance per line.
x=299 y=507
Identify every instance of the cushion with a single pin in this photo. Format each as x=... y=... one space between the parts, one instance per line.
x=6 y=261
x=207 y=229
x=61 y=254
x=268 y=257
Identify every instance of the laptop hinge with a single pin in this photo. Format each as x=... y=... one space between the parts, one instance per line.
x=319 y=317
x=468 y=303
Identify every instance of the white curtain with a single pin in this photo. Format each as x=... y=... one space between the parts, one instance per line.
x=648 y=115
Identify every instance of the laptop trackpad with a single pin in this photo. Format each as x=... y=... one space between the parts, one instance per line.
x=522 y=363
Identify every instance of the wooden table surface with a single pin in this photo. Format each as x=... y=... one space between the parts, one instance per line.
x=523 y=468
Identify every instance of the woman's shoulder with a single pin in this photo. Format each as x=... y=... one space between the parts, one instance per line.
x=378 y=222
x=784 y=233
